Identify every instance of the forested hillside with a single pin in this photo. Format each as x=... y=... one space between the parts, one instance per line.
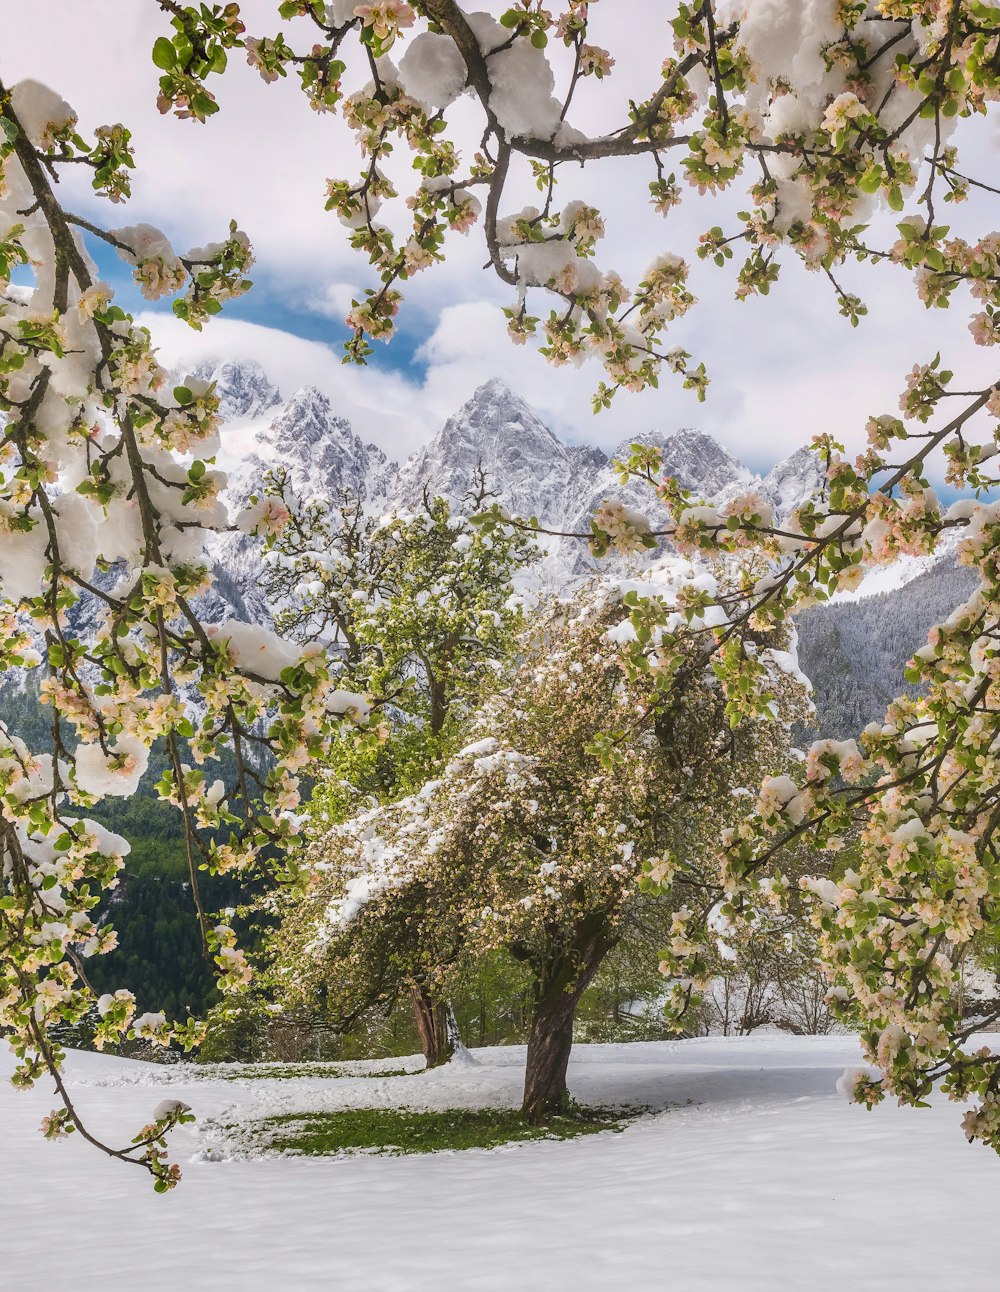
x=854 y=651
x=159 y=953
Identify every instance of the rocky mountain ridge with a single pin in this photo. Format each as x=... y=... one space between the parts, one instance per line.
x=494 y=441
x=853 y=649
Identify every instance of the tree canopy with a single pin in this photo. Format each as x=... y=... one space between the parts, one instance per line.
x=532 y=840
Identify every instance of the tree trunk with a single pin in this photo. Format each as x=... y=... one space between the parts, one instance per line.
x=436 y=1027
x=549 y=1043
x=557 y=994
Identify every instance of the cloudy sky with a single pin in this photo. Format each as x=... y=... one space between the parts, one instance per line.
x=782 y=368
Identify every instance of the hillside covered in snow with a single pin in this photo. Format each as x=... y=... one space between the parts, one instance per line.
x=495 y=439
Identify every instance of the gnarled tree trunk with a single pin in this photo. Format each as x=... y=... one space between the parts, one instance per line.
x=562 y=982
x=436 y=1027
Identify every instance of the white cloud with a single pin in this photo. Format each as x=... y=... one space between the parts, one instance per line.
x=332 y=301
x=384 y=407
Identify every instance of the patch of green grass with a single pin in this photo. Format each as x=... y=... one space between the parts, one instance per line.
x=291 y=1071
x=397 y=1131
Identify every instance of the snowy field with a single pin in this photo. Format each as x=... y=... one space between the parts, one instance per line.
x=754 y=1174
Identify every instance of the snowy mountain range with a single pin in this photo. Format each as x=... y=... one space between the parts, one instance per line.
x=536 y=474
x=854 y=649
x=495 y=436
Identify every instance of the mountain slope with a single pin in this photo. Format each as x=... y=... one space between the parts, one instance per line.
x=855 y=651
x=245 y=391
x=322 y=455
x=318 y=449
x=497 y=433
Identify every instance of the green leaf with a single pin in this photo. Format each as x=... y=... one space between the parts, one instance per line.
x=164 y=54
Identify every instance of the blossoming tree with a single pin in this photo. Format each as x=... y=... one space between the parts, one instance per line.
x=419 y=604
x=824 y=113
x=534 y=837
x=421 y=610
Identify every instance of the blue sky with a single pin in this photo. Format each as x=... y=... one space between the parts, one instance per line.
x=266 y=306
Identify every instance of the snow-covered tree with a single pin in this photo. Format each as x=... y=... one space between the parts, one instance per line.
x=419 y=606
x=765 y=973
x=421 y=611
x=575 y=782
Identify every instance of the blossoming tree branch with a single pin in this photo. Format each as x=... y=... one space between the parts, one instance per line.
x=825 y=115
x=107 y=498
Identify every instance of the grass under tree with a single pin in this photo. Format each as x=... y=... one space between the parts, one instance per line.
x=397 y=1131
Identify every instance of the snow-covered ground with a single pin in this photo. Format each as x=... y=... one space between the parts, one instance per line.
x=755 y=1174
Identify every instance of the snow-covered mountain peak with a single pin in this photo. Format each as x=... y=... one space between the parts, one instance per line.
x=788 y=483
x=323 y=458
x=307 y=424
x=495 y=395
x=245 y=391
x=317 y=447
x=498 y=419
x=498 y=432
x=699 y=462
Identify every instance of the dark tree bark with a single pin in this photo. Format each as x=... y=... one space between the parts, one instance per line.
x=436 y=1027
x=549 y=1043
x=562 y=982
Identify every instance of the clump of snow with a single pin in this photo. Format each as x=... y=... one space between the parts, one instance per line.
x=169 y=1108
x=432 y=70
x=149 y=1025
x=847 y=1082
x=786 y=662
x=256 y=649
x=117 y=772
x=144 y=242
x=348 y=703
x=22 y=561
x=555 y=261
x=340 y=12
x=522 y=80
x=41 y=112
x=77 y=532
